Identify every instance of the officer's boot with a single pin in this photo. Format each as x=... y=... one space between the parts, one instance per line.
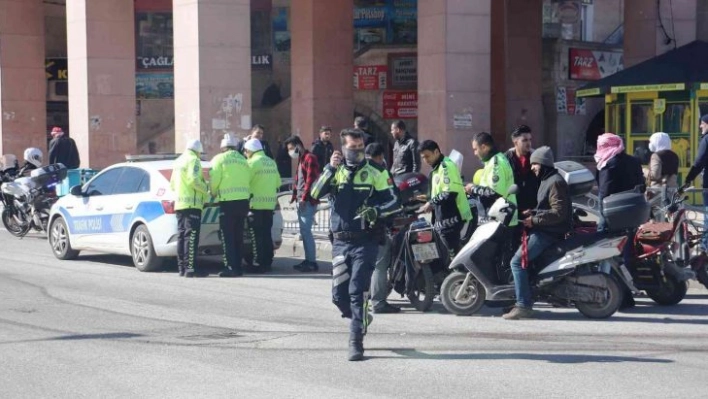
x=356 y=347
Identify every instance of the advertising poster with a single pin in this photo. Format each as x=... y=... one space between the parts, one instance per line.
x=403 y=70
x=585 y=64
x=400 y=104
x=385 y=22
x=281 y=34
x=153 y=86
x=567 y=103
x=370 y=77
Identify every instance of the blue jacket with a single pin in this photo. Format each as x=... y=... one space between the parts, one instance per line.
x=701 y=163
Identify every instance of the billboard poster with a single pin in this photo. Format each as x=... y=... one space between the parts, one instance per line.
x=403 y=70
x=154 y=86
x=385 y=22
x=567 y=103
x=400 y=104
x=586 y=64
x=370 y=77
x=281 y=34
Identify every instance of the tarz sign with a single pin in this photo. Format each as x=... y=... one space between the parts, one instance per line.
x=370 y=77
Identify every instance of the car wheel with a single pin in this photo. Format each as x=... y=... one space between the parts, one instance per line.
x=59 y=240
x=143 y=252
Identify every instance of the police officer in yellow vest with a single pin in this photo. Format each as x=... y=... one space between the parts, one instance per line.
x=446 y=196
x=188 y=183
x=264 y=185
x=230 y=179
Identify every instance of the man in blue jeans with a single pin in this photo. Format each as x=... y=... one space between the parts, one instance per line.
x=306 y=174
x=545 y=225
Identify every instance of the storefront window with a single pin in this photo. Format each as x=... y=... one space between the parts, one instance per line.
x=643 y=119
x=154 y=36
x=677 y=118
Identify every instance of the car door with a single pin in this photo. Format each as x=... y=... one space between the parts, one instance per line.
x=86 y=221
x=132 y=188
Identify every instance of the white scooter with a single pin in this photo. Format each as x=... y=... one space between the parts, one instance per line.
x=578 y=272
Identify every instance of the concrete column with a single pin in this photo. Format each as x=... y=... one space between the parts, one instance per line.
x=23 y=84
x=212 y=71
x=644 y=37
x=101 y=61
x=322 y=65
x=454 y=59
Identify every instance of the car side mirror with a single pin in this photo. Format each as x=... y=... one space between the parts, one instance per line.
x=76 y=191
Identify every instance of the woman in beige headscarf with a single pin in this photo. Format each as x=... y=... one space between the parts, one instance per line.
x=663 y=170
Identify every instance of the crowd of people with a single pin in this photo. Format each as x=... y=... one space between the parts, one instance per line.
x=357 y=182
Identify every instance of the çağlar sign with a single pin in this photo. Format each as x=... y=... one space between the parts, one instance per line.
x=400 y=104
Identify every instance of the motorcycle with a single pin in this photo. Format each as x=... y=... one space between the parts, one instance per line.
x=579 y=272
x=27 y=200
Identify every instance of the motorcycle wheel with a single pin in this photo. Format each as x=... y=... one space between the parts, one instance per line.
x=423 y=292
x=608 y=307
x=472 y=299
x=8 y=220
x=670 y=291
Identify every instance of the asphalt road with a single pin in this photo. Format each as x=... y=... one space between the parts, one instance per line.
x=96 y=327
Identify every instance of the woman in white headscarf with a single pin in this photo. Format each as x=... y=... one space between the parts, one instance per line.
x=664 y=163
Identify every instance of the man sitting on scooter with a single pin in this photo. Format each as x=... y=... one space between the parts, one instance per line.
x=545 y=225
x=446 y=196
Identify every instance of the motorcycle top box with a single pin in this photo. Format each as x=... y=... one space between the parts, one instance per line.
x=627 y=210
x=410 y=185
x=579 y=178
x=50 y=174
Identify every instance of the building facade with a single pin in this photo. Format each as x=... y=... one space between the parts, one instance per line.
x=139 y=76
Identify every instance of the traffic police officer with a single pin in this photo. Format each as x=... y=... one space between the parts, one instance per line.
x=446 y=196
x=362 y=194
x=230 y=178
x=264 y=184
x=188 y=183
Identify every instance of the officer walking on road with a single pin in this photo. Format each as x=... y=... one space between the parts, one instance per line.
x=188 y=183
x=264 y=185
x=230 y=179
x=362 y=194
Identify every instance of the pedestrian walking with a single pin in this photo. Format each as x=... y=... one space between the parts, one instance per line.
x=322 y=148
x=663 y=171
x=307 y=173
x=62 y=149
x=187 y=182
x=230 y=180
x=406 y=157
x=264 y=185
x=362 y=194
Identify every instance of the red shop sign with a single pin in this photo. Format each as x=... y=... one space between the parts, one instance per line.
x=370 y=77
x=400 y=104
x=585 y=64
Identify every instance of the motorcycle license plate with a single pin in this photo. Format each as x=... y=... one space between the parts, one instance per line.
x=425 y=252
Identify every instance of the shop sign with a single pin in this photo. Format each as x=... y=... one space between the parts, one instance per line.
x=567 y=103
x=370 y=77
x=156 y=62
x=569 y=12
x=659 y=105
x=586 y=64
x=57 y=69
x=400 y=104
x=262 y=61
x=403 y=70
x=642 y=88
x=588 y=92
x=704 y=86
x=152 y=86
x=366 y=17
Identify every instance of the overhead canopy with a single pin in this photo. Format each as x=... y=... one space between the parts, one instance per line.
x=677 y=69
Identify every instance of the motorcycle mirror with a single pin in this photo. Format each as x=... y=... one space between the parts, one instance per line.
x=76 y=191
x=512 y=190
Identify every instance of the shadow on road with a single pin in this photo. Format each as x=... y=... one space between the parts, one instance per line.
x=550 y=358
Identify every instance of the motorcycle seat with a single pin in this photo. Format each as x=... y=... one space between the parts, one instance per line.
x=655 y=231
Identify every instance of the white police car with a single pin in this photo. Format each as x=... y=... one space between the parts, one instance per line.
x=128 y=209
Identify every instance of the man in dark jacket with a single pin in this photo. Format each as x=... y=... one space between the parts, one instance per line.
x=701 y=165
x=406 y=157
x=361 y=124
x=519 y=159
x=547 y=224
x=62 y=149
x=322 y=148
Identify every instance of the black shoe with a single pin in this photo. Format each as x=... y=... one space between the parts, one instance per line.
x=231 y=273
x=308 y=267
x=181 y=272
x=195 y=274
x=356 y=348
x=385 y=307
x=300 y=265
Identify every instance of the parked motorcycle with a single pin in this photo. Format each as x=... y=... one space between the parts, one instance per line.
x=579 y=272
x=27 y=200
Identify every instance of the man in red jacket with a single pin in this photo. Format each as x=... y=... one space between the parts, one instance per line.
x=306 y=174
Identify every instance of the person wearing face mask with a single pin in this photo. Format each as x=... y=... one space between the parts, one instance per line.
x=361 y=195
x=306 y=174
x=322 y=148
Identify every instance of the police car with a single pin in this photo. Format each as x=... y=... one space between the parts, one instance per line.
x=128 y=209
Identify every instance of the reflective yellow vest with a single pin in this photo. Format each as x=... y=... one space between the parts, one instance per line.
x=187 y=182
x=265 y=181
x=230 y=177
